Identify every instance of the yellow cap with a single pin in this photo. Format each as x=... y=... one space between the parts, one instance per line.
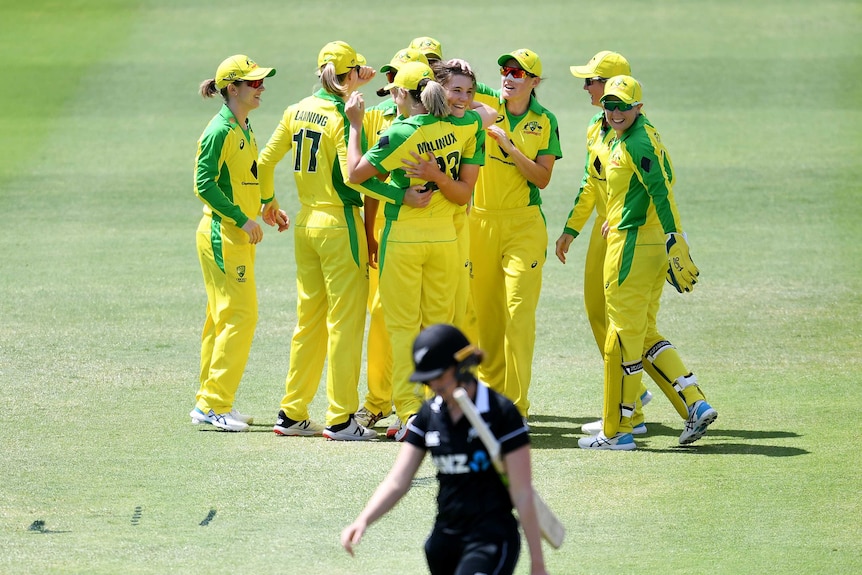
x=527 y=59
x=240 y=67
x=605 y=64
x=428 y=46
x=402 y=57
x=409 y=76
x=342 y=56
x=625 y=88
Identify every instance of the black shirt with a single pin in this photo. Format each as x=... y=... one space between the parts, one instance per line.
x=471 y=491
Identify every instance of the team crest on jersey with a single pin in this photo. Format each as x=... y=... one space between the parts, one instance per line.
x=533 y=128
x=240 y=274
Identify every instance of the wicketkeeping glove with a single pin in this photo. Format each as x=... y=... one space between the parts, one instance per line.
x=681 y=271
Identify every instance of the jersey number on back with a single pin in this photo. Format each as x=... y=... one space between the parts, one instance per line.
x=312 y=136
x=453 y=159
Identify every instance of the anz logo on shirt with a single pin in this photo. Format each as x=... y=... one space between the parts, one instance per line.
x=460 y=463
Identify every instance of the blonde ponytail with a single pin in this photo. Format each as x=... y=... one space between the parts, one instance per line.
x=433 y=97
x=332 y=82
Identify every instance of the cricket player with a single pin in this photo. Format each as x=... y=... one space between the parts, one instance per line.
x=474 y=529
x=330 y=249
x=591 y=197
x=508 y=235
x=378 y=401
x=645 y=246
x=418 y=253
x=226 y=182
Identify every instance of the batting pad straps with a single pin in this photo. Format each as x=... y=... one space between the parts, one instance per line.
x=684 y=381
x=633 y=367
x=627 y=410
x=655 y=350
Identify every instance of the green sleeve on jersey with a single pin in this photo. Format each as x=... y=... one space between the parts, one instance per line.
x=486 y=90
x=207 y=174
x=389 y=142
x=647 y=164
x=472 y=118
x=553 y=148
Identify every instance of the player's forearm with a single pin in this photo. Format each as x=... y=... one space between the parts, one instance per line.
x=525 y=504
x=535 y=172
x=458 y=191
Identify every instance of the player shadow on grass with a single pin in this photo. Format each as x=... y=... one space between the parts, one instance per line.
x=663 y=439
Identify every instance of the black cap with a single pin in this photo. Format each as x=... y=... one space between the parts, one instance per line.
x=438 y=348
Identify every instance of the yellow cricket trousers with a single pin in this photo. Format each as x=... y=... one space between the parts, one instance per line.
x=227 y=263
x=594 y=298
x=635 y=270
x=418 y=279
x=379 y=351
x=331 y=289
x=508 y=250
x=465 y=313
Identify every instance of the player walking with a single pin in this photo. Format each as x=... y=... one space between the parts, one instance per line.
x=591 y=196
x=645 y=245
x=474 y=530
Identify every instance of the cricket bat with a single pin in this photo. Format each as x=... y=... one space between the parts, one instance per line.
x=552 y=529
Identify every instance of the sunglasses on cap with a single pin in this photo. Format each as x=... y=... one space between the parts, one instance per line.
x=516 y=73
x=255 y=84
x=611 y=105
x=591 y=81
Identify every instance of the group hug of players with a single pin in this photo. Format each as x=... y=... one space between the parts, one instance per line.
x=426 y=209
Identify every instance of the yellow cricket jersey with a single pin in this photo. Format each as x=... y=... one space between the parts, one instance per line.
x=640 y=181
x=317 y=129
x=453 y=141
x=378 y=119
x=226 y=170
x=593 y=191
x=501 y=185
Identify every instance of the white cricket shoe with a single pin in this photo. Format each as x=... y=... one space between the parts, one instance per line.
x=700 y=416
x=619 y=442
x=349 y=431
x=290 y=427
x=221 y=421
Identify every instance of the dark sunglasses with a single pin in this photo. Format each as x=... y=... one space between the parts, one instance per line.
x=517 y=73
x=611 y=105
x=591 y=81
x=254 y=83
x=390 y=75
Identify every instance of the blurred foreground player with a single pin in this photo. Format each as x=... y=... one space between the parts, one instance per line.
x=475 y=530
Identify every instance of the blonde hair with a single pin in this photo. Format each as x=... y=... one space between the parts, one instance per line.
x=432 y=95
x=332 y=82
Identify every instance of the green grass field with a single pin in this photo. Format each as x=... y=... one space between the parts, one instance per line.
x=101 y=300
